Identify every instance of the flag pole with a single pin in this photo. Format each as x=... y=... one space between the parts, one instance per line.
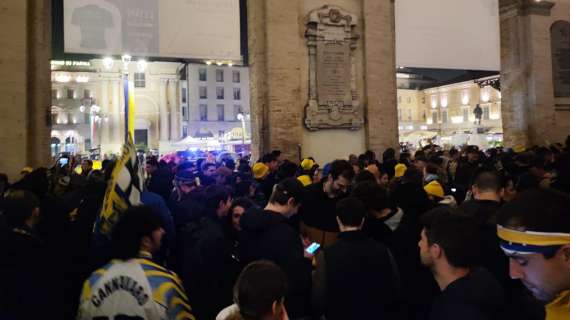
x=126 y=60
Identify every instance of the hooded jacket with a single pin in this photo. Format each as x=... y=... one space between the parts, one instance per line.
x=269 y=236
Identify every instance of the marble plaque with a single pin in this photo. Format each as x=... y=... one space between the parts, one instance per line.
x=331 y=40
x=333 y=72
x=560 y=37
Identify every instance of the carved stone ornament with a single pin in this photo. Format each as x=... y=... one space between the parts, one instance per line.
x=333 y=100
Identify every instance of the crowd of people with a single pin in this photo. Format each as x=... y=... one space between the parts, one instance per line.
x=438 y=234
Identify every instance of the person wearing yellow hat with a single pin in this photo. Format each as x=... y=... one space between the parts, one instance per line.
x=260 y=171
x=399 y=170
x=432 y=186
x=25 y=171
x=306 y=167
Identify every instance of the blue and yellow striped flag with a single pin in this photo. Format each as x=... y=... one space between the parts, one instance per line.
x=129 y=108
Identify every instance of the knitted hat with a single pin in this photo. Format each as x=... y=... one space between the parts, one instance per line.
x=307 y=164
x=399 y=170
x=434 y=189
x=26 y=170
x=260 y=170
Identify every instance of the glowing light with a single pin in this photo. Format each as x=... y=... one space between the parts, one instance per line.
x=429 y=121
x=465 y=98
x=208 y=62
x=62 y=77
x=423 y=127
x=126 y=60
x=95 y=108
x=494 y=116
x=108 y=63
x=433 y=102
x=219 y=63
x=141 y=65
x=230 y=64
x=82 y=79
x=82 y=108
x=485 y=96
x=457 y=119
x=444 y=101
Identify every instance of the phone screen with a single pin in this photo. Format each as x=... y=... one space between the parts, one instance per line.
x=63 y=161
x=313 y=248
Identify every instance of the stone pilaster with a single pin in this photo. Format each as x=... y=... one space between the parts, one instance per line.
x=174 y=108
x=25 y=85
x=106 y=114
x=379 y=43
x=164 y=112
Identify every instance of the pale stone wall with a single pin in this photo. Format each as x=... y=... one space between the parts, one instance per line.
x=25 y=42
x=280 y=70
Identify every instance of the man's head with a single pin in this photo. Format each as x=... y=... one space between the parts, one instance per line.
x=260 y=291
x=151 y=165
x=448 y=239
x=350 y=213
x=278 y=156
x=218 y=200
x=270 y=161
x=186 y=181
x=535 y=235
x=472 y=154
x=487 y=186
x=21 y=208
x=420 y=162
x=86 y=165
x=139 y=229
x=373 y=196
x=208 y=169
x=339 y=179
x=289 y=195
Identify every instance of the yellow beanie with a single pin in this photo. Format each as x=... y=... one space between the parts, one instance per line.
x=399 y=170
x=305 y=180
x=260 y=170
x=434 y=189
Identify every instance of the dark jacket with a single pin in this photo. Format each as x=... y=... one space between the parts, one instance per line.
x=203 y=260
x=477 y=296
x=318 y=210
x=160 y=182
x=189 y=208
x=356 y=278
x=269 y=236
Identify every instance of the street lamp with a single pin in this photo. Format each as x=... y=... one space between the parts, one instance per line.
x=241 y=117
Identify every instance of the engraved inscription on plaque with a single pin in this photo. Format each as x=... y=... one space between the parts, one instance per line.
x=333 y=100
x=333 y=72
x=560 y=37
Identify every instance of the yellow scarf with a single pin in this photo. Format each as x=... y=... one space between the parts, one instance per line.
x=559 y=309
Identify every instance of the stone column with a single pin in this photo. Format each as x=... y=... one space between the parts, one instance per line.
x=174 y=108
x=527 y=104
x=116 y=121
x=163 y=107
x=25 y=84
x=379 y=42
x=106 y=111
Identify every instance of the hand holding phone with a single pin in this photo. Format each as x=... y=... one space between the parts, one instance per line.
x=312 y=248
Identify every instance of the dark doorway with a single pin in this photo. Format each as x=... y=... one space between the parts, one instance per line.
x=141 y=137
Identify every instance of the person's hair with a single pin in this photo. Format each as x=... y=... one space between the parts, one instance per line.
x=453 y=151
x=214 y=194
x=127 y=234
x=241 y=202
x=371 y=155
x=268 y=158
x=3 y=178
x=260 y=284
x=351 y=211
x=372 y=195
x=363 y=176
x=341 y=168
x=432 y=168
x=488 y=181
x=286 y=170
x=389 y=154
x=18 y=206
x=287 y=189
x=207 y=165
x=276 y=153
x=152 y=162
x=539 y=210
x=455 y=233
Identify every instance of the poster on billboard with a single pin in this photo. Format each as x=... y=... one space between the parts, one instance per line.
x=187 y=29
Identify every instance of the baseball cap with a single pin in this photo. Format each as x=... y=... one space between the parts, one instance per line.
x=434 y=189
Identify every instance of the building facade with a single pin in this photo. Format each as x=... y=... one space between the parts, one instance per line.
x=448 y=112
x=87 y=111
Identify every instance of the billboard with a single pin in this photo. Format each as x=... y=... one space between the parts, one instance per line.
x=448 y=34
x=190 y=29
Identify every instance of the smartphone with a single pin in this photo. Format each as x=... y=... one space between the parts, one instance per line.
x=453 y=190
x=63 y=161
x=313 y=248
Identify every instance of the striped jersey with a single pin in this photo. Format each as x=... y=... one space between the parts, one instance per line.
x=133 y=289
